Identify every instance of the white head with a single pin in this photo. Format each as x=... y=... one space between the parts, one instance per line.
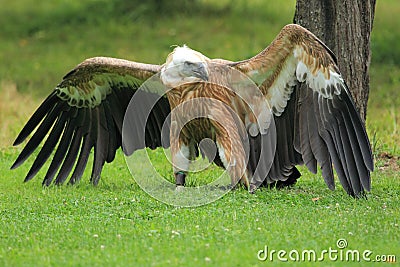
x=184 y=65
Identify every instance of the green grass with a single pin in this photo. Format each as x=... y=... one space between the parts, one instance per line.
x=117 y=223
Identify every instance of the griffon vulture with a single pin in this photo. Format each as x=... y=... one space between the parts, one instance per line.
x=298 y=77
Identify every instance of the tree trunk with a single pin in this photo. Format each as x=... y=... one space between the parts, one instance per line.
x=345 y=27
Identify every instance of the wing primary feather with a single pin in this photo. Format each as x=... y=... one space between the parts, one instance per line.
x=60 y=153
x=86 y=122
x=347 y=147
x=70 y=157
x=101 y=146
x=48 y=146
x=282 y=142
x=69 y=161
x=113 y=135
x=134 y=128
x=165 y=110
x=82 y=159
x=289 y=116
x=38 y=136
x=275 y=173
x=260 y=157
x=37 y=117
x=118 y=111
x=86 y=146
x=150 y=124
x=125 y=95
x=322 y=147
x=93 y=139
x=254 y=152
x=161 y=112
x=278 y=172
x=359 y=129
x=160 y=116
x=304 y=107
x=158 y=124
x=317 y=144
x=268 y=150
x=151 y=132
x=356 y=145
x=356 y=160
x=328 y=135
x=335 y=128
x=156 y=120
x=353 y=176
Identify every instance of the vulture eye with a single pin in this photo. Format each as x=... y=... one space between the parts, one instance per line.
x=188 y=63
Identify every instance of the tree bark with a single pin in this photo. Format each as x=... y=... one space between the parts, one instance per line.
x=345 y=27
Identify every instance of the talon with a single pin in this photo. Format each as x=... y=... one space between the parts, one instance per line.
x=252 y=189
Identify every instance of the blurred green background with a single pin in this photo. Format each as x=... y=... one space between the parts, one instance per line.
x=43 y=40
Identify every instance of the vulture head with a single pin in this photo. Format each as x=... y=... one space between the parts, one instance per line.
x=184 y=65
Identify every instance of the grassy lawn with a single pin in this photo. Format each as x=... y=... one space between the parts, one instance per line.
x=117 y=223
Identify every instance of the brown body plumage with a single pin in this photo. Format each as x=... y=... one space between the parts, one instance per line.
x=202 y=111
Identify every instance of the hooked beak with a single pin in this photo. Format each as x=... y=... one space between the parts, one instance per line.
x=199 y=70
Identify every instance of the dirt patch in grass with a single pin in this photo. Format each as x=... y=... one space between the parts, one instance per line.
x=387 y=162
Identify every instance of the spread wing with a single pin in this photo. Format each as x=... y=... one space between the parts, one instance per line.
x=85 y=111
x=315 y=116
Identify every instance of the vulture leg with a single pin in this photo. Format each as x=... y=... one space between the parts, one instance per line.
x=180 y=177
x=180 y=154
